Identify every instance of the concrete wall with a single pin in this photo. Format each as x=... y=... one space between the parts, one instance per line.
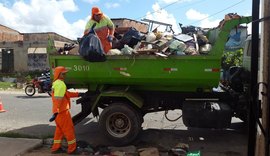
x=37 y=61
x=20 y=44
x=44 y=37
x=20 y=50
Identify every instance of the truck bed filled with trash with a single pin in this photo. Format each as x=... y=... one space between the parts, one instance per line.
x=189 y=61
x=191 y=41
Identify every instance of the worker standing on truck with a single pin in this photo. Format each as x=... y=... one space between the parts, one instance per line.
x=104 y=28
x=61 y=115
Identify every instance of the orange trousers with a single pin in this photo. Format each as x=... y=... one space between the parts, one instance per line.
x=64 y=128
x=105 y=44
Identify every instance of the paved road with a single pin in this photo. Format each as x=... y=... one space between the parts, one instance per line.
x=29 y=115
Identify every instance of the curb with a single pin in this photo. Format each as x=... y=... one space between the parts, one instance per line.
x=40 y=144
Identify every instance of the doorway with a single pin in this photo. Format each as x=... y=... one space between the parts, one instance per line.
x=7 y=60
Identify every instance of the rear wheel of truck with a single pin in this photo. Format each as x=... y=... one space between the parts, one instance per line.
x=120 y=123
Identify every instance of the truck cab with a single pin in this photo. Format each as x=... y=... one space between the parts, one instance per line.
x=247 y=54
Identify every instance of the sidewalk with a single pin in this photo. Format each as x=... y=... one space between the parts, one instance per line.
x=17 y=146
x=12 y=91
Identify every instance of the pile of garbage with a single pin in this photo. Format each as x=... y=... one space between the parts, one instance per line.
x=161 y=43
x=84 y=148
x=192 y=41
x=134 y=42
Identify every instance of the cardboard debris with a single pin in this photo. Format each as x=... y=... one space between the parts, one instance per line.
x=124 y=151
x=74 y=51
x=151 y=151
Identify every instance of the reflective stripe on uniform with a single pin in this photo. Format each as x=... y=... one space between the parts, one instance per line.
x=72 y=141
x=56 y=141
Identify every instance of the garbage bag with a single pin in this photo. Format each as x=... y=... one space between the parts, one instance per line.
x=205 y=49
x=234 y=41
x=132 y=37
x=177 y=46
x=150 y=37
x=90 y=48
x=126 y=50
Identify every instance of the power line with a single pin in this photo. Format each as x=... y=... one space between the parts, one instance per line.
x=217 y=12
x=168 y=6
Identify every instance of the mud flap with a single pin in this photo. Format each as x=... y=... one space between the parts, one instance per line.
x=86 y=105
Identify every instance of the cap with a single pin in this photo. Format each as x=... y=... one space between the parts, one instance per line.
x=57 y=71
x=96 y=11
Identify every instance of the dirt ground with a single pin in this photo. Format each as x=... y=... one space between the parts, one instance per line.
x=164 y=135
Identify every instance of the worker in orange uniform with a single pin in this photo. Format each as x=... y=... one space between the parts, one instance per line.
x=61 y=115
x=104 y=28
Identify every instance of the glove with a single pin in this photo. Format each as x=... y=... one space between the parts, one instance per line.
x=53 y=117
x=81 y=94
x=110 y=38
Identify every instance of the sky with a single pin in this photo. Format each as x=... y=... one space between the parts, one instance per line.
x=69 y=17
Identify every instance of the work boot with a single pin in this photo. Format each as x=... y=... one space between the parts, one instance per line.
x=60 y=150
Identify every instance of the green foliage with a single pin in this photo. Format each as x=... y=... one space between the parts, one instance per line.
x=6 y=85
x=22 y=77
x=232 y=58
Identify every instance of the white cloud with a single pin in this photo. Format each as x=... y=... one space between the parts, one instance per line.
x=162 y=15
x=42 y=16
x=195 y=15
x=206 y=23
x=202 y=19
x=112 y=5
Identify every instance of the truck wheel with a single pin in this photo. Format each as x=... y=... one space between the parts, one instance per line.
x=120 y=123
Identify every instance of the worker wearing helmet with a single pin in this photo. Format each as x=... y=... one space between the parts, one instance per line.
x=104 y=28
x=61 y=115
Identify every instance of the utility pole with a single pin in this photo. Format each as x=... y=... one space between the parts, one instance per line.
x=263 y=145
x=252 y=126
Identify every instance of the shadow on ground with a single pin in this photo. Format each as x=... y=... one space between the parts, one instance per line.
x=33 y=97
x=210 y=142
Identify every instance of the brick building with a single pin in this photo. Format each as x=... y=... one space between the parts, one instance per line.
x=25 y=51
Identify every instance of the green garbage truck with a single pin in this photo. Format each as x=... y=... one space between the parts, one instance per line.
x=126 y=87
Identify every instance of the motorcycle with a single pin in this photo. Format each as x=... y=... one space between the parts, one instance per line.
x=42 y=84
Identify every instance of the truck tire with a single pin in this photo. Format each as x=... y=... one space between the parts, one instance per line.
x=120 y=123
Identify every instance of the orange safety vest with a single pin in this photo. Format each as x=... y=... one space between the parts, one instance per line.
x=60 y=91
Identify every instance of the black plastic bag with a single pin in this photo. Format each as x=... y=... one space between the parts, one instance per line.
x=132 y=37
x=90 y=47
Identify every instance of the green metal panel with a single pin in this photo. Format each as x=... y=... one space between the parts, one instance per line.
x=132 y=97
x=176 y=73
x=218 y=48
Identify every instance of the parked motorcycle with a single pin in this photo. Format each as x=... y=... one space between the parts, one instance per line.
x=42 y=84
